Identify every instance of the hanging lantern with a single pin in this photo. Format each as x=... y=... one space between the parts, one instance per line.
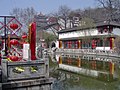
x=13 y=26
x=14 y=42
x=14 y=58
x=105 y=30
x=24 y=36
x=99 y=30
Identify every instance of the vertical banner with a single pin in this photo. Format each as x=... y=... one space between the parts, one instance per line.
x=26 y=51
x=32 y=39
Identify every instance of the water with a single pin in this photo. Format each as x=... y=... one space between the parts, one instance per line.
x=65 y=80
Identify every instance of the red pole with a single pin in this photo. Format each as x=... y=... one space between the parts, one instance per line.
x=33 y=40
x=110 y=42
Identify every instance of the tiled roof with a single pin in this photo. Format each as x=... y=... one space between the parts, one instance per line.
x=73 y=29
x=104 y=23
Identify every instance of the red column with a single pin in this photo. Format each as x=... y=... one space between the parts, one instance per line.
x=33 y=40
x=111 y=42
x=79 y=44
x=60 y=44
x=93 y=44
x=60 y=60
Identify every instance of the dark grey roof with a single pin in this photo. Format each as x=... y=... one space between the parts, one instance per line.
x=73 y=29
x=104 y=23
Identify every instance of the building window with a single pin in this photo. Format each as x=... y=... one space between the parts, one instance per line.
x=86 y=44
x=71 y=44
x=99 y=43
x=106 y=43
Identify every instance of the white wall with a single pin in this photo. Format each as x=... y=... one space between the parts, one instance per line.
x=80 y=33
x=87 y=32
x=102 y=48
x=57 y=44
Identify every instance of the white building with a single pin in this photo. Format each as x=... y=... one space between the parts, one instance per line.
x=100 y=37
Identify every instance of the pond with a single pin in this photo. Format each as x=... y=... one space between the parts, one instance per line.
x=95 y=75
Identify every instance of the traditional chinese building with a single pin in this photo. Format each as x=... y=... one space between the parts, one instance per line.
x=99 y=37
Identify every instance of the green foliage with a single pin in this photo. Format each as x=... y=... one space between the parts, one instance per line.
x=49 y=38
x=86 y=23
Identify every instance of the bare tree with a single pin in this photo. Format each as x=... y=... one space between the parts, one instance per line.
x=112 y=7
x=25 y=16
x=97 y=14
x=62 y=15
x=64 y=12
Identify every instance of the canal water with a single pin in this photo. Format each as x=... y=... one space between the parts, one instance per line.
x=105 y=74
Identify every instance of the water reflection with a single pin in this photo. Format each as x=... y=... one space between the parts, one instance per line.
x=78 y=73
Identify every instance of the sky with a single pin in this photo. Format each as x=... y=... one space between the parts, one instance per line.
x=44 y=6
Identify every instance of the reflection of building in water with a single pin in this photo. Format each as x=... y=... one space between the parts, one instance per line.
x=99 y=37
x=100 y=69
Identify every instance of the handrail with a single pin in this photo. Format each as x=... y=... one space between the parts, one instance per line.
x=12 y=71
x=90 y=51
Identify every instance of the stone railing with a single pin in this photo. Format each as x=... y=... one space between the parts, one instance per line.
x=89 y=51
x=24 y=70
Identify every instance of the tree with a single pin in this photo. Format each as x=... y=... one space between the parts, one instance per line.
x=113 y=9
x=49 y=38
x=64 y=12
x=117 y=45
x=25 y=16
x=62 y=15
x=97 y=14
x=87 y=23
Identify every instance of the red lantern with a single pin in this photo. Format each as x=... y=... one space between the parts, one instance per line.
x=14 y=42
x=24 y=36
x=99 y=30
x=105 y=30
x=14 y=58
x=13 y=26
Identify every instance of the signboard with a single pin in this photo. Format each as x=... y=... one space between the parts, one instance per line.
x=26 y=51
